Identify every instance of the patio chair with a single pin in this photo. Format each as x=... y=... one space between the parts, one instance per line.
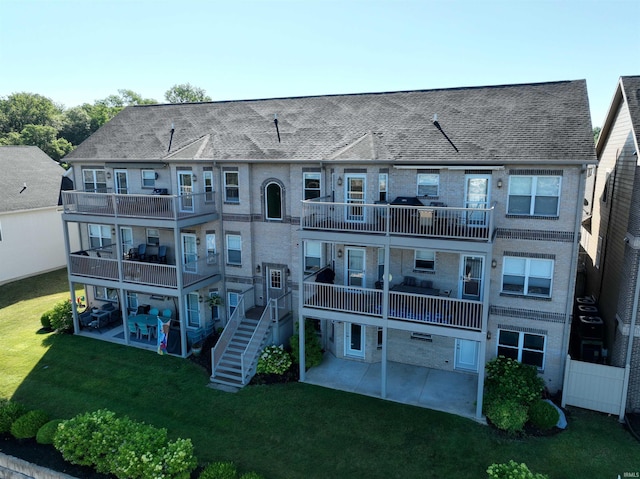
x=166 y=313
x=133 y=329
x=154 y=312
x=144 y=330
x=162 y=254
x=85 y=318
x=141 y=254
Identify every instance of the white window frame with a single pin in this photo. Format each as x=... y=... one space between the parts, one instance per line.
x=383 y=187
x=381 y=264
x=132 y=302
x=102 y=293
x=207 y=181
x=525 y=270
x=152 y=235
x=533 y=195
x=193 y=315
x=232 y=238
x=233 y=301
x=275 y=278
x=103 y=238
x=98 y=180
x=315 y=254
x=430 y=183
x=148 y=178
x=425 y=256
x=308 y=192
x=230 y=186
x=520 y=347
x=215 y=309
x=210 y=245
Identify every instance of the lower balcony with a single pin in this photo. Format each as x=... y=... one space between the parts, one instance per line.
x=139 y=272
x=420 y=308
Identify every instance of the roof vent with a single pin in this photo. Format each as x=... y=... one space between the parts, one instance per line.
x=275 y=122
x=171 y=137
x=437 y=125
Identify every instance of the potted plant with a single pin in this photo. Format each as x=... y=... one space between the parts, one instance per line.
x=196 y=348
x=215 y=300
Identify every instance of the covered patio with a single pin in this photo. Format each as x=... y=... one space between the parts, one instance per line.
x=447 y=391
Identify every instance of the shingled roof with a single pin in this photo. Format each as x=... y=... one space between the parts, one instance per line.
x=28 y=165
x=547 y=122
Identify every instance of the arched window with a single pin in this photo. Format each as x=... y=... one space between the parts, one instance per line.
x=273 y=201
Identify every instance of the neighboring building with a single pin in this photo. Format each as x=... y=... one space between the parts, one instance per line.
x=31 y=240
x=611 y=232
x=436 y=228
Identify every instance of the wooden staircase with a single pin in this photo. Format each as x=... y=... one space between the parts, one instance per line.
x=229 y=370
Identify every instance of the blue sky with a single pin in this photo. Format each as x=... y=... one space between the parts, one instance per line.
x=77 y=51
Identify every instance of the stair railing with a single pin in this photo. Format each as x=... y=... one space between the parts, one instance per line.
x=227 y=334
x=253 y=347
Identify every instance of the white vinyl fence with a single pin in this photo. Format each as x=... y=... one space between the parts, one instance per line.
x=593 y=386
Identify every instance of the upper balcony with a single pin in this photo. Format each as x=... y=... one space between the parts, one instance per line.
x=401 y=220
x=155 y=207
x=98 y=264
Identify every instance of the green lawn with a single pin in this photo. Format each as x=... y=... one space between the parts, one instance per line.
x=282 y=431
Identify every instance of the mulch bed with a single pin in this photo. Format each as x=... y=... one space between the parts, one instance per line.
x=46 y=456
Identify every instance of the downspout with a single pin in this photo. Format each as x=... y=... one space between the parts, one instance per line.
x=632 y=330
x=566 y=334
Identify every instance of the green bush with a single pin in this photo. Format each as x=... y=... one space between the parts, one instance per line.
x=45 y=320
x=9 y=412
x=543 y=415
x=123 y=447
x=512 y=470
x=219 y=470
x=47 y=431
x=508 y=378
x=312 y=349
x=507 y=414
x=27 y=425
x=61 y=316
x=274 y=360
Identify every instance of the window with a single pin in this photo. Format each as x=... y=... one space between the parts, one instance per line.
x=273 y=201
x=234 y=249
x=99 y=236
x=534 y=195
x=428 y=184
x=153 y=236
x=94 y=181
x=193 y=310
x=275 y=280
x=215 y=310
x=207 y=177
x=528 y=276
x=233 y=299
x=210 y=242
x=425 y=260
x=149 y=178
x=105 y=294
x=524 y=347
x=598 y=252
x=231 y=187
x=380 y=264
x=311 y=185
x=383 y=181
x=132 y=302
x=312 y=255
x=379 y=341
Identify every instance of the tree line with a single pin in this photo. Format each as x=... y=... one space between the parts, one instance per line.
x=35 y=120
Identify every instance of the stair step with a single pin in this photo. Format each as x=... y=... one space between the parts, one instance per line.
x=227 y=375
x=227 y=382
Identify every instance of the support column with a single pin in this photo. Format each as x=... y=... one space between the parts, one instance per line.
x=385 y=320
x=301 y=318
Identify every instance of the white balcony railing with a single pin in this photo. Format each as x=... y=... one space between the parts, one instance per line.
x=428 y=221
x=444 y=311
x=152 y=274
x=169 y=207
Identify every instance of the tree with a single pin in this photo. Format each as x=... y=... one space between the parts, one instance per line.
x=21 y=109
x=185 y=93
x=76 y=124
x=45 y=138
x=596 y=133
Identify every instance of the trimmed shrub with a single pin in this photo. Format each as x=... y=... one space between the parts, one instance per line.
x=123 y=447
x=512 y=470
x=9 y=412
x=312 y=348
x=45 y=320
x=543 y=415
x=507 y=414
x=507 y=378
x=274 y=360
x=27 y=425
x=61 y=316
x=219 y=470
x=47 y=431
